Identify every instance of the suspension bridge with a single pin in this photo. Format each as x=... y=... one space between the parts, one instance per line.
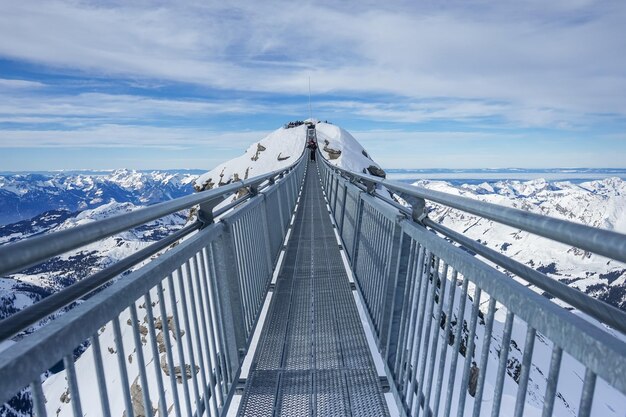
x=315 y=293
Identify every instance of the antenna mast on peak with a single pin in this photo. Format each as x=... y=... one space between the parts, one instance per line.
x=310 y=111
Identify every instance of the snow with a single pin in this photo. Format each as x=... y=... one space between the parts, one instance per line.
x=277 y=150
x=597 y=203
x=353 y=155
x=288 y=143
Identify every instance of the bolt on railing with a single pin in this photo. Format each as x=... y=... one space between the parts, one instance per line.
x=451 y=327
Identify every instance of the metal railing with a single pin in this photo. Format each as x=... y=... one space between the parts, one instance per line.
x=458 y=337
x=169 y=336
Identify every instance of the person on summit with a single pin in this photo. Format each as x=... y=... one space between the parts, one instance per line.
x=312 y=145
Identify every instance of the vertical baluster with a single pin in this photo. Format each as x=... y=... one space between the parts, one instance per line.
x=428 y=383
x=100 y=377
x=141 y=362
x=199 y=277
x=421 y=355
x=39 y=400
x=526 y=363
x=406 y=309
x=179 y=340
x=168 y=349
x=455 y=349
x=201 y=403
x=586 y=400
x=186 y=322
x=504 y=356
x=223 y=370
x=227 y=372
x=444 y=345
x=407 y=349
x=484 y=356
x=416 y=338
x=121 y=363
x=552 y=382
x=238 y=255
x=211 y=332
x=155 y=353
x=468 y=352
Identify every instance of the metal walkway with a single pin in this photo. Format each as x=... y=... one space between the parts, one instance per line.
x=313 y=358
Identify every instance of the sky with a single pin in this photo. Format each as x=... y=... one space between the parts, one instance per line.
x=421 y=84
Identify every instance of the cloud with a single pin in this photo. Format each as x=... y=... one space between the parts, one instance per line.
x=129 y=136
x=14 y=84
x=563 y=55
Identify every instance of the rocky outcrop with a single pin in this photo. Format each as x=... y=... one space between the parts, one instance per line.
x=376 y=171
x=332 y=153
x=259 y=148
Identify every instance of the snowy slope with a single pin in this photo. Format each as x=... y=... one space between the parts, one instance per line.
x=344 y=151
x=283 y=147
x=599 y=203
x=594 y=203
x=277 y=150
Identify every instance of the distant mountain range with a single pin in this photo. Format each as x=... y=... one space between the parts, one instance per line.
x=598 y=203
x=26 y=195
x=52 y=202
x=36 y=203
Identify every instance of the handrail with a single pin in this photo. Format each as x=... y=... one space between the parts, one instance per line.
x=20 y=255
x=602 y=311
x=425 y=298
x=591 y=239
x=46 y=307
x=201 y=300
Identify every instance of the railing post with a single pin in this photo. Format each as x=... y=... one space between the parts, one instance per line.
x=395 y=277
x=268 y=246
x=228 y=285
x=343 y=208
x=357 y=230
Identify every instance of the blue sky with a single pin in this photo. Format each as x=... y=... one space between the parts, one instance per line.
x=458 y=84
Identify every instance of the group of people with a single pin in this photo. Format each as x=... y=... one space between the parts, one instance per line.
x=293 y=124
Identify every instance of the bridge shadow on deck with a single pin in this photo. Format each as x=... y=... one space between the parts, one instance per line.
x=312 y=358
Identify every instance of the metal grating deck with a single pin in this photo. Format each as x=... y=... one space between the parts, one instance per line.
x=313 y=357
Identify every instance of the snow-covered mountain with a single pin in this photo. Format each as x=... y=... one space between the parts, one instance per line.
x=23 y=196
x=597 y=203
x=600 y=203
x=283 y=147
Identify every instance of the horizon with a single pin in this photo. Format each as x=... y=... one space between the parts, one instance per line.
x=154 y=86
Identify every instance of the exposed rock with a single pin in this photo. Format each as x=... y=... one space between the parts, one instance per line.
x=130 y=358
x=365 y=154
x=178 y=370
x=160 y=342
x=259 y=148
x=376 y=171
x=207 y=185
x=136 y=397
x=65 y=397
x=282 y=158
x=158 y=323
x=473 y=380
x=332 y=153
